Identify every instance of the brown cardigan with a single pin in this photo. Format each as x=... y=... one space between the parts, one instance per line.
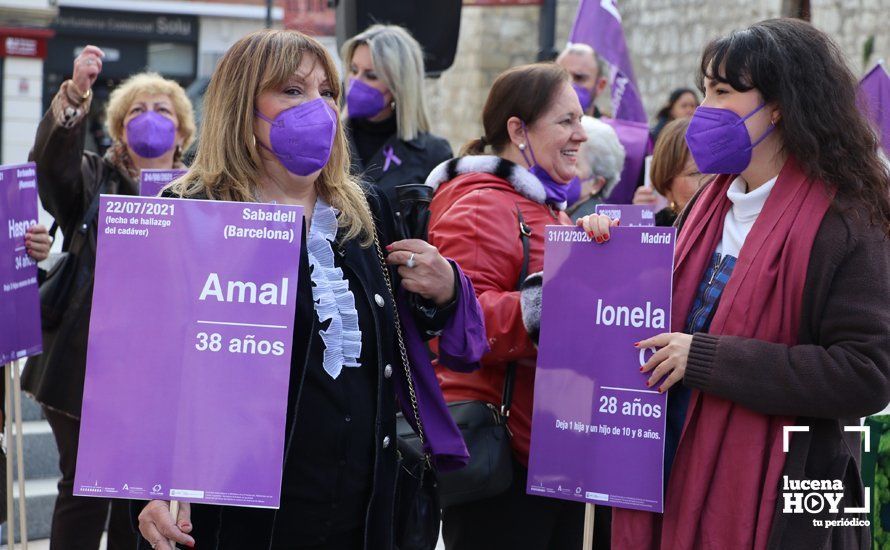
x=838 y=372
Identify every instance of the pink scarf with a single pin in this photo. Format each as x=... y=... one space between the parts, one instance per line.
x=724 y=482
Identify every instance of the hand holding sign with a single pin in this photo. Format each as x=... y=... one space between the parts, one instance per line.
x=669 y=360
x=156 y=525
x=597 y=226
x=38 y=242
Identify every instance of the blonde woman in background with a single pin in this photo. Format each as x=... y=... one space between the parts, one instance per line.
x=341 y=460
x=387 y=121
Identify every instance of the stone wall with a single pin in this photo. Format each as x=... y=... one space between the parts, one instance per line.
x=851 y=23
x=492 y=39
x=665 y=38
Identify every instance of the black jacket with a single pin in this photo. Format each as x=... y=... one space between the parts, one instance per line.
x=210 y=520
x=418 y=158
x=67 y=180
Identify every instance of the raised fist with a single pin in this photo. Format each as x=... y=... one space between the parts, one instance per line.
x=87 y=67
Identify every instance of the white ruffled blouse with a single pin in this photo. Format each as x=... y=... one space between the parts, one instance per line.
x=330 y=292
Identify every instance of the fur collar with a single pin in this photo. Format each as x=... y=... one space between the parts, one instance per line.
x=525 y=183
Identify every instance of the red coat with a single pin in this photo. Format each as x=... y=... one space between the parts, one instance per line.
x=474 y=222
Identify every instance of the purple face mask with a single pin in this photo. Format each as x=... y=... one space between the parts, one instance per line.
x=302 y=137
x=363 y=101
x=150 y=134
x=584 y=96
x=719 y=142
x=556 y=192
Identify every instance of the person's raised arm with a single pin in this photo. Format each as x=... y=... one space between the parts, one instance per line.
x=59 y=143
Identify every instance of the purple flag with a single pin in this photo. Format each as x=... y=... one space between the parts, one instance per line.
x=634 y=136
x=597 y=430
x=598 y=24
x=19 y=301
x=875 y=90
x=631 y=215
x=152 y=181
x=188 y=360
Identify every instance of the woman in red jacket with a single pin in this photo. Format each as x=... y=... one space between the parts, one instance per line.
x=532 y=123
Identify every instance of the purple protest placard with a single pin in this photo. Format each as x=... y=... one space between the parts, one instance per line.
x=597 y=430
x=152 y=181
x=189 y=351
x=19 y=299
x=631 y=215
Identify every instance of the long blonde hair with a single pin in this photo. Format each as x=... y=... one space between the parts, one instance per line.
x=227 y=165
x=398 y=61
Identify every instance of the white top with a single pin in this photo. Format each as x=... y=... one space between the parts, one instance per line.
x=742 y=214
x=330 y=291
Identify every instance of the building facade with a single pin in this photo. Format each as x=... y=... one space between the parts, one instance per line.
x=665 y=39
x=24 y=39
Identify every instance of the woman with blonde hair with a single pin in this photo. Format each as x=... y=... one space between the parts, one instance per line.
x=151 y=122
x=271 y=132
x=389 y=129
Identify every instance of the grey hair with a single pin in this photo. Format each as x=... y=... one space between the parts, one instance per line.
x=603 y=152
x=398 y=60
x=579 y=48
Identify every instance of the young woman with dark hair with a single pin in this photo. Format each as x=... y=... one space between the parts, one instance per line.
x=680 y=104
x=782 y=293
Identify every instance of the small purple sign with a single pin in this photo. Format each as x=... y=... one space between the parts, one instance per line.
x=631 y=215
x=19 y=300
x=189 y=351
x=152 y=181
x=597 y=430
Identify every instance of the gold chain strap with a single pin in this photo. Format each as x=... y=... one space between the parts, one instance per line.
x=402 y=350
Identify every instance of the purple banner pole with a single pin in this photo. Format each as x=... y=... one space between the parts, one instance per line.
x=152 y=181
x=631 y=215
x=188 y=360
x=597 y=430
x=19 y=300
x=875 y=95
x=598 y=24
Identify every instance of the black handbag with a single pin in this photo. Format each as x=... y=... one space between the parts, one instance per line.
x=413 y=210
x=418 y=513
x=484 y=429
x=68 y=273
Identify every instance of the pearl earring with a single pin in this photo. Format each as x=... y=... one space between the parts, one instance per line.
x=522 y=147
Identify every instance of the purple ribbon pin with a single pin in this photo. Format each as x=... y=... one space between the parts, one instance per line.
x=390 y=158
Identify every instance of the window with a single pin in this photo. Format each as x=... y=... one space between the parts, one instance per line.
x=172 y=59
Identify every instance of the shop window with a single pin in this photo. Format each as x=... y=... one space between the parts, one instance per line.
x=172 y=59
